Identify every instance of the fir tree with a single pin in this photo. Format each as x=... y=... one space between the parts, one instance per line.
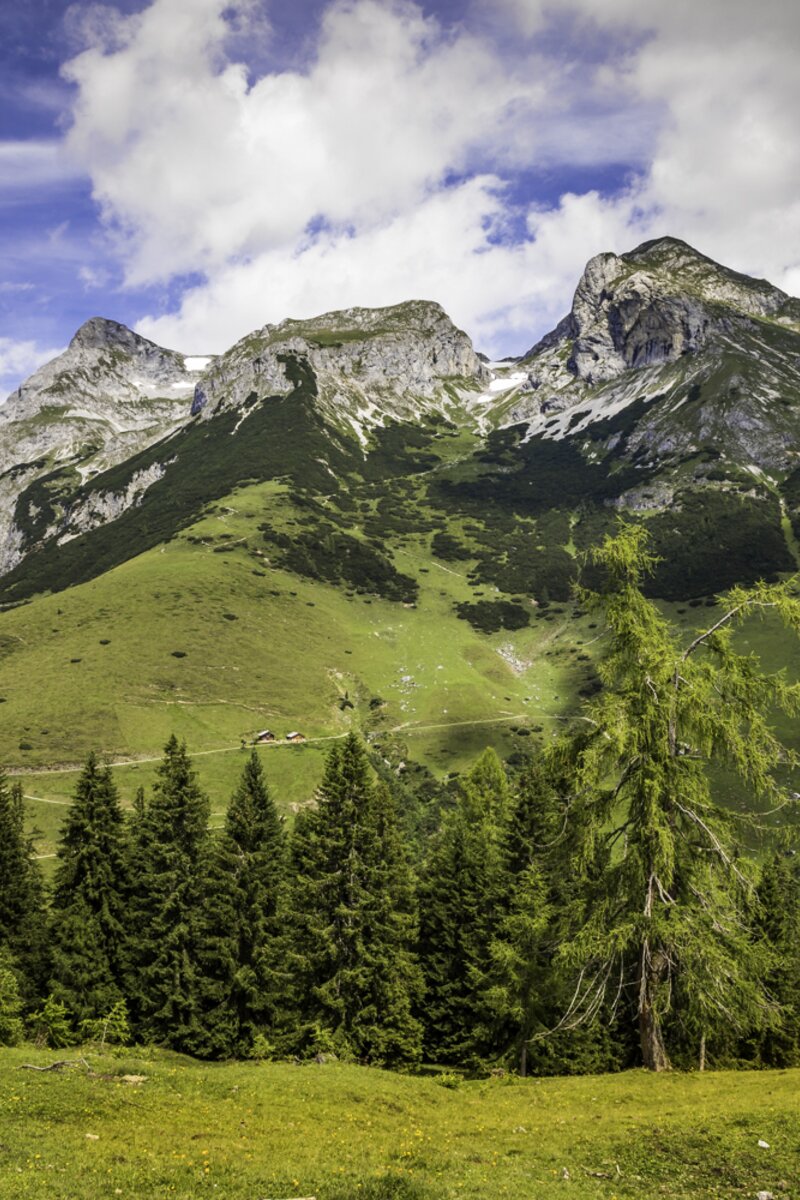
x=526 y=989
x=463 y=895
x=22 y=917
x=168 y=844
x=665 y=892
x=89 y=898
x=351 y=920
x=240 y=944
x=779 y=895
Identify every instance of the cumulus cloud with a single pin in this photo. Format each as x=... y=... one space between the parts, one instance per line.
x=196 y=165
x=397 y=160
x=436 y=251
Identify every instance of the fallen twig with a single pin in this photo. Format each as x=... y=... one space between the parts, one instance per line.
x=56 y=1066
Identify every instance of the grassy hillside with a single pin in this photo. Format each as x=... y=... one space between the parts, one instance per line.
x=338 y=1132
x=209 y=637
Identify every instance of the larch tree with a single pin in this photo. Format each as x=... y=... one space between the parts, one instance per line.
x=666 y=896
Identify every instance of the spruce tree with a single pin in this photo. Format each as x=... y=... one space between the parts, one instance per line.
x=169 y=838
x=463 y=894
x=665 y=892
x=240 y=948
x=89 y=899
x=351 y=920
x=22 y=915
x=779 y=921
x=527 y=990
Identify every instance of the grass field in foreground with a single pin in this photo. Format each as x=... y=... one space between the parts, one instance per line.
x=262 y=1131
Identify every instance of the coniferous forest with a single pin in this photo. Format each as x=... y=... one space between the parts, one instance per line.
x=592 y=908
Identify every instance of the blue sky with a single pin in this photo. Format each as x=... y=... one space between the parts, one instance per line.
x=196 y=168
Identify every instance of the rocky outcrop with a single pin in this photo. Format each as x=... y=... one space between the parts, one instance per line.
x=109 y=395
x=370 y=365
x=98 y=508
x=718 y=350
x=626 y=320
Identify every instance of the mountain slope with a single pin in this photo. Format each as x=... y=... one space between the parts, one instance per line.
x=356 y=519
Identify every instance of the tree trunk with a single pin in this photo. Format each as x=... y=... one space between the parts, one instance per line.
x=523 y=1060
x=654 y=1052
x=702 y=1052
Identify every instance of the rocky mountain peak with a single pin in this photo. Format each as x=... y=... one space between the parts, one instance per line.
x=370 y=365
x=100 y=332
x=650 y=306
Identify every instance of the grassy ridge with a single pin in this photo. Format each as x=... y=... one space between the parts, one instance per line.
x=241 y=1131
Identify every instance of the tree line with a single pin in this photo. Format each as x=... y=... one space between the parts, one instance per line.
x=597 y=909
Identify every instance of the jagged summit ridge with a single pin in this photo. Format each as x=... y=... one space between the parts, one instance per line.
x=370 y=365
x=655 y=321
x=664 y=356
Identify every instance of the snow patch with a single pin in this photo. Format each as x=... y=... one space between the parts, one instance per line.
x=509 y=382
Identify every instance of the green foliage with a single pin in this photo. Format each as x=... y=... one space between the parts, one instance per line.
x=51 y=1025
x=531 y=473
x=779 y=922
x=336 y=557
x=42 y=503
x=351 y=921
x=110 y=1029
x=22 y=920
x=712 y=540
x=11 y=1026
x=666 y=897
x=462 y=892
x=87 y=932
x=449 y=549
x=240 y=949
x=169 y=838
x=489 y=616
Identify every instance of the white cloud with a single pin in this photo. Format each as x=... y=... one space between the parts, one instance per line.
x=437 y=251
x=18 y=359
x=196 y=166
x=33 y=164
x=376 y=172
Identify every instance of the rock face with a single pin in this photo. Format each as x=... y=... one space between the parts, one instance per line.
x=720 y=353
x=371 y=365
x=110 y=394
